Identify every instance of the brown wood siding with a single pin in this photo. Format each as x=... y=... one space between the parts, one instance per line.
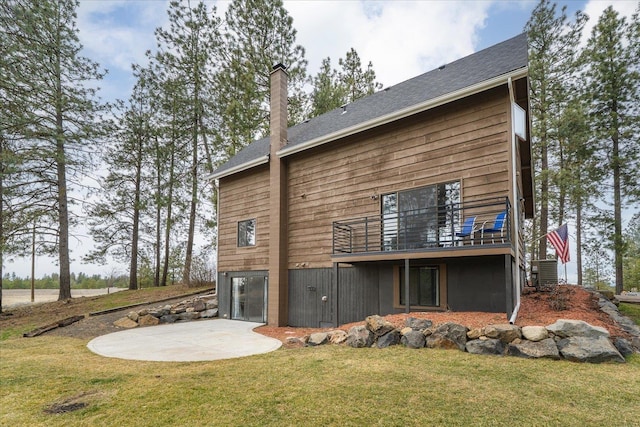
x=466 y=140
x=244 y=196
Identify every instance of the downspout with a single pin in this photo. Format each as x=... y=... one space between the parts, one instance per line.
x=516 y=201
x=216 y=186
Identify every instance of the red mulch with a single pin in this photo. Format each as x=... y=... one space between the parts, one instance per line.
x=535 y=310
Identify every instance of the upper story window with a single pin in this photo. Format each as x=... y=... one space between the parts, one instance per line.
x=247 y=233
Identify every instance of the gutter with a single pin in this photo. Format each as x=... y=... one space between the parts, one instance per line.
x=516 y=202
x=406 y=112
x=216 y=185
x=239 y=168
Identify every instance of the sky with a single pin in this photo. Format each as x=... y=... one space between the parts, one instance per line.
x=402 y=39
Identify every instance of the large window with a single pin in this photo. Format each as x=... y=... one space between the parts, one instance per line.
x=424 y=287
x=247 y=233
x=420 y=217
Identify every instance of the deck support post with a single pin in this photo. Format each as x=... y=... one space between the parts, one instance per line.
x=406 y=286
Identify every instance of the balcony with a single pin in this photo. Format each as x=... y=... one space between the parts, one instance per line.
x=481 y=224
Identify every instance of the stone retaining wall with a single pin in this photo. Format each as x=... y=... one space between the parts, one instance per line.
x=199 y=307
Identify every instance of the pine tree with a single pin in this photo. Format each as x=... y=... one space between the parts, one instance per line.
x=356 y=81
x=552 y=62
x=613 y=71
x=257 y=35
x=328 y=92
x=60 y=115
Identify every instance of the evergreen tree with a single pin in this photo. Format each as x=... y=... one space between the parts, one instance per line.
x=328 y=92
x=613 y=71
x=356 y=81
x=257 y=35
x=552 y=63
x=59 y=113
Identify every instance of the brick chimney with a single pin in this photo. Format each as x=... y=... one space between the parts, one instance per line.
x=278 y=290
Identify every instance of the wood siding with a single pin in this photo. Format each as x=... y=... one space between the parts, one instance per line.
x=244 y=196
x=466 y=140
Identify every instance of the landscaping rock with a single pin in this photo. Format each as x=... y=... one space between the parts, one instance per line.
x=148 y=320
x=592 y=350
x=413 y=339
x=169 y=318
x=199 y=305
x=208 y=313
x=359 y=336
x=405 y=330
x=418 y=324
x=488 y=346
x=448 y=336
x=296 y=341
x=623 y=346
x=189 y=315
x=504 y=332
x=535 y=333
x=545 y=348
x=378 y=325
x=133 y=316
x=564 y=328
x=125 y=322
x=474 y=334
x=318 y=338
x=337 y=336
x=211 y=303
x=389 y=339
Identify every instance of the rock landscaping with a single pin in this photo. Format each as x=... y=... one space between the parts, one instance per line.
x=573 y=340
x=199 y=307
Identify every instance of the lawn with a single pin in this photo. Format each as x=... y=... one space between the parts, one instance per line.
x=42 y=377
x=632 y=311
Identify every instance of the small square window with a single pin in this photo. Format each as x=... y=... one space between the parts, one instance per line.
x=247 y=233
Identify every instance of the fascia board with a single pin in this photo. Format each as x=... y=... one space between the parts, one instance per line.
x=406 y=112
x=239 y=168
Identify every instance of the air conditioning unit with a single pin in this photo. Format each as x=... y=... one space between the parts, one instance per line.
x=544 y=272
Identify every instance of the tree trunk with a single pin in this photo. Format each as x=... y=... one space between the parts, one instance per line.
x=186 y=275
x=167 y=230
x=156 y=275
x=133 y=267
x=579 y=240
x=617 y=214
x=2 y=236
x=544 y=196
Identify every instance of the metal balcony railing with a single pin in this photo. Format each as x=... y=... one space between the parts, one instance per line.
x=484 y=222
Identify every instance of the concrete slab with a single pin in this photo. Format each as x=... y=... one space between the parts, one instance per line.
x=186 y=342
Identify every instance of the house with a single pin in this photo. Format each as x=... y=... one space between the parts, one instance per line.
x=409 y=199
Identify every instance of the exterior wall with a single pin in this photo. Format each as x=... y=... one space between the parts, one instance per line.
x=466 y=140
x=244 y=196
x=478 y=284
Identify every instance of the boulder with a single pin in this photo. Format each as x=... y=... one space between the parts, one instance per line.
x=208 y=313
x=418 y=324
x=199 y=305
x=133 y=316
x=169 y=318
x=413 y=339
x=592 y=350
x=535 y=333
x=504 y=332
x=486 y=346
x=564 y=328
x=388 y=339
x=405 y=330
x=545 y=348
x=448 y=336
x=337 y=336
x=359 y=336
x=211 y=303
x=148 y=320
x=296 y=341
x=125 y=322
x=623 y=346
x=189 y=315
x=635 y=343
x=318 y=338
x=378 y=325
x=475 y=333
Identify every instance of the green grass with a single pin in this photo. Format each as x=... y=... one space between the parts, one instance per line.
x=321 y=386
x=632 y=311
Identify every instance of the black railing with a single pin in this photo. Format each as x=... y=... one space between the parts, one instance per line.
x=484 y=222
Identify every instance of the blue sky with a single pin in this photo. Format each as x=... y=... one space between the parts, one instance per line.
x=401 y=38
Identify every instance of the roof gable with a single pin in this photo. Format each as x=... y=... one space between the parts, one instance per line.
x=453 y=78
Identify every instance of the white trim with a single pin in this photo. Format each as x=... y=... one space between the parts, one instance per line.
x=239 y=168
x=406 y=112
x=515 y=204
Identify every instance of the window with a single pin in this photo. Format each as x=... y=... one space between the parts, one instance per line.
x=424 y=286
x=420 y=217
x=249 y=298
x=247 y=233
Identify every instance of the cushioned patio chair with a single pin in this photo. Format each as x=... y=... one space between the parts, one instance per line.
x=497 y=227
x=468 y=228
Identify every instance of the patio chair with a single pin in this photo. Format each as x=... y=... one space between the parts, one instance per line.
x=498 y=227
x=468 y=228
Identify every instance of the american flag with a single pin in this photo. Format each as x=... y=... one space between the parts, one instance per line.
x=560 y=240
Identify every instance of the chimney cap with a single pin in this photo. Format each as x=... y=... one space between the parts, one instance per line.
x=278 y=66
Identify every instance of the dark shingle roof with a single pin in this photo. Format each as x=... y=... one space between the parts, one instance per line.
x=494 y=61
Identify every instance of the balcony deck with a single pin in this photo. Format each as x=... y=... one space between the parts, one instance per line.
x=437 y=232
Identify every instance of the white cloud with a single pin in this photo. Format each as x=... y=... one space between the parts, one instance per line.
x=401 y=38
x=594 y=9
